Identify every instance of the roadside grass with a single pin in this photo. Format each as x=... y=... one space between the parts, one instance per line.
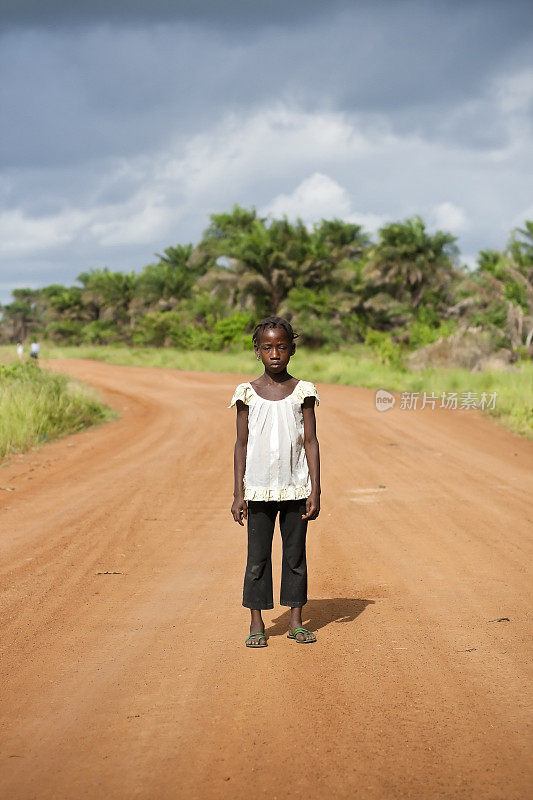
x=354 y=365
x=38 y=406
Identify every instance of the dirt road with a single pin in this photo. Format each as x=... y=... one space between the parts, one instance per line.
x=136 y=683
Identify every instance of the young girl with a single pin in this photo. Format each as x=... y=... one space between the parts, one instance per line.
x=277 y=468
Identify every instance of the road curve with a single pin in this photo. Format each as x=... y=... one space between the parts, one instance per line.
x=124 y=673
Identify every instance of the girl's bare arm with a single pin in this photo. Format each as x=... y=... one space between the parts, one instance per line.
x=312 y=452
x=239 y=508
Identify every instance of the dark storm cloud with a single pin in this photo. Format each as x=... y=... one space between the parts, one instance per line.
x=99 y=99
x=34 y=11
x=98 y=91
x=231 y=12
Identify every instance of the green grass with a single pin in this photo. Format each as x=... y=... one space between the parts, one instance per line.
x=354 y=365
x=37 y=406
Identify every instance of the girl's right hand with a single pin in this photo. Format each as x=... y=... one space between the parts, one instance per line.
x=239 y=509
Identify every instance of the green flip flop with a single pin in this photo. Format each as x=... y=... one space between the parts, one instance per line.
x=301 y=641
x=251 y=636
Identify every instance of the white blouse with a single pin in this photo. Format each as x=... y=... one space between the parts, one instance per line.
x=276 y=463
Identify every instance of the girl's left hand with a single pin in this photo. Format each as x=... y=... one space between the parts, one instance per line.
x=312 y=505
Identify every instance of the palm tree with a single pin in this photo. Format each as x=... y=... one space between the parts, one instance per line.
x=172 y=278
x=260 y=267
x=238 y=221
x=406 y=263
x=109 y=294
x=346 y=240
x=520 y=249
x=21 y=315
x=63 y=302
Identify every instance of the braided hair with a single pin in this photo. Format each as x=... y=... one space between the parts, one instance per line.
x=273 y=322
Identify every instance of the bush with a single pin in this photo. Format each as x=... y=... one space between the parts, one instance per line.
x=236 y=328
x=163 y=328
x=311 y=315
x=354 y=328
x=387 y=351
x=517 y=292
x=68 y=331
x=523 y=353
x=494 y=316
x=420 y=333
x=101 y=332
x=38 y=405
x=153 y=329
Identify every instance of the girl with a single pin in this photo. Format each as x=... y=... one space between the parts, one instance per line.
x=277 y=468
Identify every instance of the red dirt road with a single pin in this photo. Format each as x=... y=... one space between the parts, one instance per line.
x=138 y=684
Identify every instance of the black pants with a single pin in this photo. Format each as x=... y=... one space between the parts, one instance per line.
x=257 y=590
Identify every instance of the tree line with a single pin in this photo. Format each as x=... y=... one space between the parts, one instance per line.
x=332 y=281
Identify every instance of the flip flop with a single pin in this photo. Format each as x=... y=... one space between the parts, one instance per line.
x=301 y=641
x=251 y=636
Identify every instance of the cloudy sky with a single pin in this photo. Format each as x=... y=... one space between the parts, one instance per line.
x=126 y=123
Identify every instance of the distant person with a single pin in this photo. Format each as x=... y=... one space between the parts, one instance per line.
x=34 y=350
x=20 y=351
x=276 y=468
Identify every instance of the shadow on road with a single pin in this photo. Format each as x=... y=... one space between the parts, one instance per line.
x=319 y=613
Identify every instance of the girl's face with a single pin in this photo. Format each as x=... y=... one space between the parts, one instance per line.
x=275 y=349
